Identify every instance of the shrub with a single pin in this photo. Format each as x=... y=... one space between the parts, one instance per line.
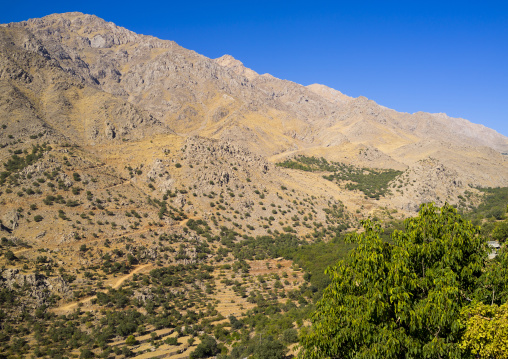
x=207 y=348
x=86 y=354
x=131 y=340
x=290 y=336
x=10 y=256
x=171 y=341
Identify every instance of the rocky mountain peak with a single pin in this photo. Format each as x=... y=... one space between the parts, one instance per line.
x=237 y=66
x=228 y=61
x=223 y=99
x=330 y=94
x=83 y=30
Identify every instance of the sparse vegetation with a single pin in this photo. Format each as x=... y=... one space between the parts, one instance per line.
x=372 y=182
x=121 y=237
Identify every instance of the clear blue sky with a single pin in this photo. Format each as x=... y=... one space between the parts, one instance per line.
x=433 y=56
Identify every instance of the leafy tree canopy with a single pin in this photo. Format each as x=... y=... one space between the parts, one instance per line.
x=207 y=348
x=400 y=300
x=500 y=232
x=486 y=334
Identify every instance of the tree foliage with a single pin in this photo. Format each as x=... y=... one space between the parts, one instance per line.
x=486 y=334
x=500 y=231
x=492 y=287
x=372 y=182
x=400 y=300
x=207 y=348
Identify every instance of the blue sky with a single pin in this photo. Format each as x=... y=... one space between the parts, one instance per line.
x=433 y=56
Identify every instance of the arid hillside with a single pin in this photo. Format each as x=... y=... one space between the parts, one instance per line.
x=152 y=192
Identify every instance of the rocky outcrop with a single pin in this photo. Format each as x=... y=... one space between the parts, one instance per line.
x=103 y=84
x=38 y=286
x=427 y=181
x=160 y=176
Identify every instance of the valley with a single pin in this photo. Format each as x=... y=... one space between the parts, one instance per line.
x=157 y=203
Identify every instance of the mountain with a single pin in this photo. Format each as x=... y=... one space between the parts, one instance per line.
x=123 y=153
x=222 y=99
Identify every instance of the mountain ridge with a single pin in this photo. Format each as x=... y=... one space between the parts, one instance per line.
x=190 y=94
x=92 y=25
x=198 y=182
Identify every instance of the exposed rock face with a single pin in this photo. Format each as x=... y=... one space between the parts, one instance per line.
x=237 y=66
x=159 y=174
x=330 y=94
x=55 y=93
x=99 y=83
x=427 y=181
x=10 y=220
x=40 y=287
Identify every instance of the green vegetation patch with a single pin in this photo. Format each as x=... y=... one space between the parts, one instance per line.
x=421 y=291
x=493 y=204
x=309 y=164
x=17 y=163
x=490 y=214
x=314 y=258
x=372 y=182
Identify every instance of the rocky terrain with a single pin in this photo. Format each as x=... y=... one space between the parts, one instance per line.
x=126 y=155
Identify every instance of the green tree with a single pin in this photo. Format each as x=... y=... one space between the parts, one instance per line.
x=270 y=348
x=500 y=232
x=10 y=256
x=486 y=334
x=402 y=299
x=207 y=348
x=492 y=287
x=131 y=340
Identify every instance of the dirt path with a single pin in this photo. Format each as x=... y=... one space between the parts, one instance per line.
x=96 y=240
x=21 y=251
x=283 y=155
x=70 y=306
x=140 y=231
x=117 y=185
x=127 y=276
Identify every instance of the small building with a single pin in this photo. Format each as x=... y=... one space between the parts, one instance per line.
x=494 y=247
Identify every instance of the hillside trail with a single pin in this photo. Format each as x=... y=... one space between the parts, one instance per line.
x=280 y=156
x=118 y=283
x=126 y=182
x=95 y=240
x=140 y=231
x=126 y=234
x=21 y=251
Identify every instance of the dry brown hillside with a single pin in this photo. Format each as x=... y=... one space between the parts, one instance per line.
x=140 y=182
